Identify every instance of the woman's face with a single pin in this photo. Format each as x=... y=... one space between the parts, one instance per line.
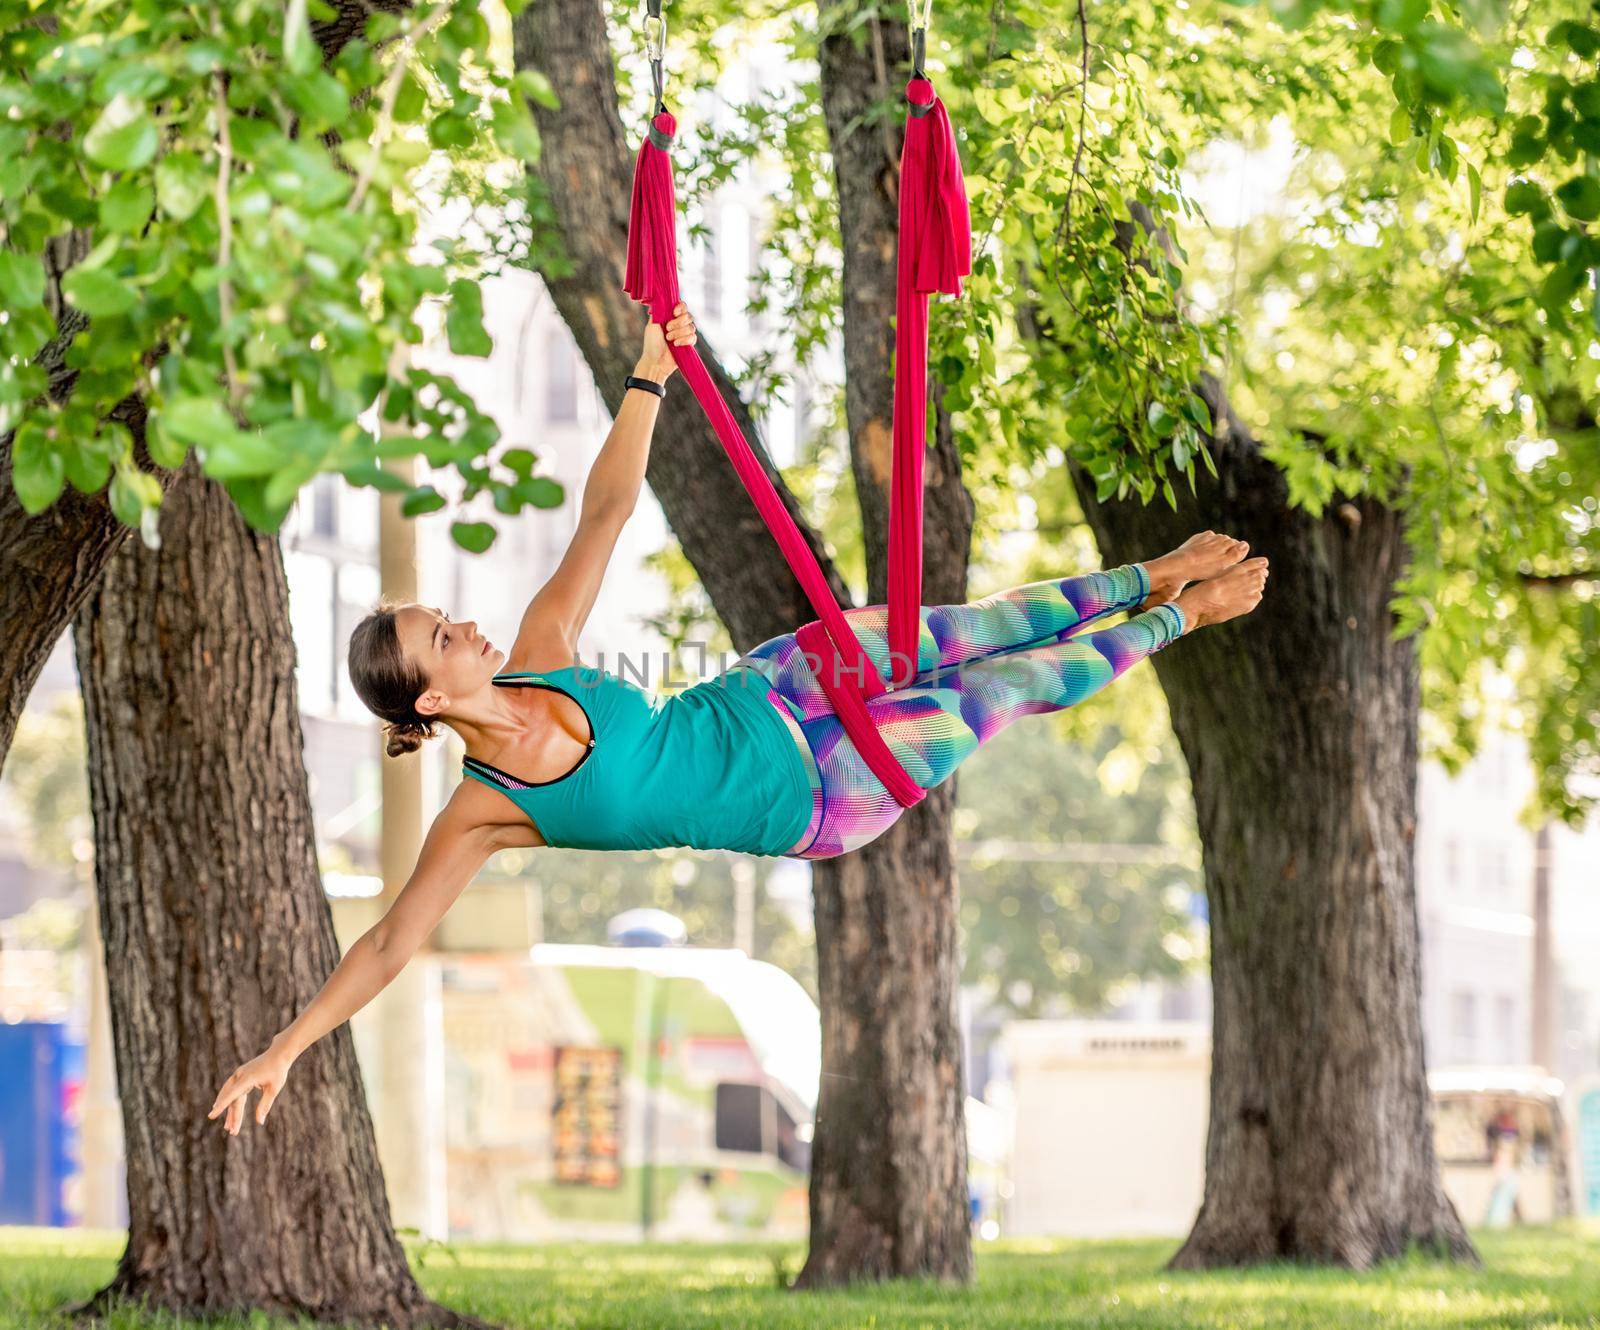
x=457 y=659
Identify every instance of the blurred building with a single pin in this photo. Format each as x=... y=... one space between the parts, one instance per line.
x=1478 y=869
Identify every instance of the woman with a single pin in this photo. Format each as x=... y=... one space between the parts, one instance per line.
x=754 y=760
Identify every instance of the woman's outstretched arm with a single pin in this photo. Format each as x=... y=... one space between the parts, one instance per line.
x=453 y=852
x=555 y=617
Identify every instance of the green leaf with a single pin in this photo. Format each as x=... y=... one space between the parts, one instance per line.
x=1547 y=241
x=165 y=451
x=239 y=455
x=519 y=461
x=132 y=491
x=1292 y=13
x=249 y=494
x=182 y=183
x=373 y=476
x=88 y=464
x=38 y=471
x=196 y=420
x=1586 y=99
x=285 y=484
x=1580 y=196
x=535 y=85
x=1527 y=143
x=1401 y=15
x=422 y=499
x=21 y=279
x=1453 y=64
x=451 y=131
x=464 y=321
x=1583 y=42
x=474 y=537
x=97 y=293
x=515 y=130
x=300 y=52
x=127 y=205
x=1474 y=191
x=539 y=491
x=124 y=137
x=1525 y=197
x=410 y=101
x=319 y=98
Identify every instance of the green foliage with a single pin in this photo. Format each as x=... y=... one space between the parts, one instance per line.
x=1410 y=312
x=1100 y=904
x=45 y=783
x=250 y=256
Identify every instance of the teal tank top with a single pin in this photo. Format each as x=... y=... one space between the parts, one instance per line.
x=712 y=766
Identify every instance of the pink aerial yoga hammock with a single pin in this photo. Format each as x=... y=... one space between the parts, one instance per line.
x=935 y=253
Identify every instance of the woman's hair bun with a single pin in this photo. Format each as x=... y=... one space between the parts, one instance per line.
x=405 y=737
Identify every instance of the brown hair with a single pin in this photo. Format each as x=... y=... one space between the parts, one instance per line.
x=388 y=681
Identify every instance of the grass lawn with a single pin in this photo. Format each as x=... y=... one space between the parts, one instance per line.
x=1532 y=1278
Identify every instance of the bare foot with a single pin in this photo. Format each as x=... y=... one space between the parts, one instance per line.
x=1218 y=599
x=1203 y=555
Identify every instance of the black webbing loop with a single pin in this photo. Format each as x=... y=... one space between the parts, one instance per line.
x=919 y=13
x=655 y=45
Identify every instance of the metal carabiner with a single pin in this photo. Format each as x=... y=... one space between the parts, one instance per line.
x=655 y=36
x=921 y=14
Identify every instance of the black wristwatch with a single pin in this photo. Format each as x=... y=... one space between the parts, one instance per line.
x=649 y=385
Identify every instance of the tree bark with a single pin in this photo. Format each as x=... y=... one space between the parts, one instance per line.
x=1299 y=726
x=217 y=933
x=889 y=1155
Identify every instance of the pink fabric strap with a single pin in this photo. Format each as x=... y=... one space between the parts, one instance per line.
x=935 y=253
x=845 y=671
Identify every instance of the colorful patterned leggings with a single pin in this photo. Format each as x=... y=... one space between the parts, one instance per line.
x=979 y=667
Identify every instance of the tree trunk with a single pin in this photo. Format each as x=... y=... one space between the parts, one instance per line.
x=217 y=933
x=889 y=1155
x=889 y=1162
x=50 y=561
x=1299 y=725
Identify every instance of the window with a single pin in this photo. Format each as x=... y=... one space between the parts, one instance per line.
x=325 y=506
x=712 y=271
x=311 y=607
x=749 y=1119
x=1464 y=1025
x=560 y=377
x=358 y=590
x=1494 y=873
x=1505 y=1020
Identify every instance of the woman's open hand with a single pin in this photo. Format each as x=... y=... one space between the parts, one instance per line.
x=267 y=1073
x=655 y=361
